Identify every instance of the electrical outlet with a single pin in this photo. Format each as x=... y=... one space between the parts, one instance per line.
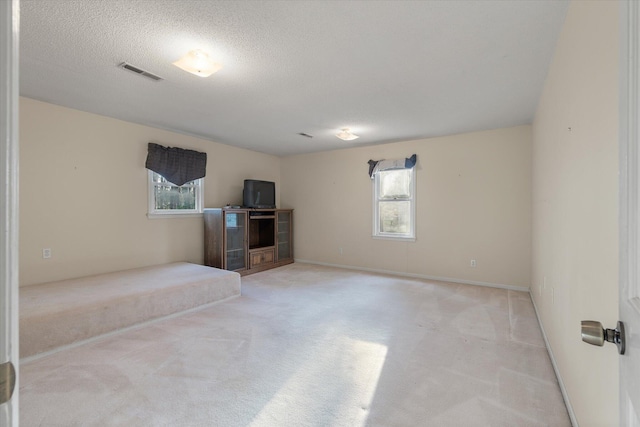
x=472 y=263
x=553 y=296
x=46 y=253
x=340 y=250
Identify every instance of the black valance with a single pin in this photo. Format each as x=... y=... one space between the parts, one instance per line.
x=382 y=165
x=176 y=165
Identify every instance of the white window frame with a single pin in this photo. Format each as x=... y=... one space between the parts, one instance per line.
x=377 y=233
x=198 y=184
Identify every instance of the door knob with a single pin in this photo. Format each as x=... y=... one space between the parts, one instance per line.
x=7 y=381
x=593 y=333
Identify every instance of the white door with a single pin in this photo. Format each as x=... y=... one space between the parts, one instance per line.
x=630 y=212
x=9 y=19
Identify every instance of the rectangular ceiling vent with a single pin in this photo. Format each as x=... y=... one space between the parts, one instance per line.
x=140 y=71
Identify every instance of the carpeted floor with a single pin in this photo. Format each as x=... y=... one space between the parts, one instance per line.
x=308 y=345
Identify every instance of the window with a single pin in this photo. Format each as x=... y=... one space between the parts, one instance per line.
x=394 y=204
x=166 y=198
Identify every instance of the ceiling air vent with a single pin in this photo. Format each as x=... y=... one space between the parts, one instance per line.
x=139 y=71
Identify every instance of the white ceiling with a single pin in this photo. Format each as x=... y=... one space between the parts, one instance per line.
x=389 y=70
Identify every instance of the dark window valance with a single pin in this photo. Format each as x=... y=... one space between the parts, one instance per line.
x=176 y=165
x=381 y=165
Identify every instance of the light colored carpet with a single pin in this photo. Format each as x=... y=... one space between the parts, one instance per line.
x=308 y=345
x=59 y=313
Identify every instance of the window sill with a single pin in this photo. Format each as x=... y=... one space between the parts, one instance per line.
x=397 y=238
x=174 y=215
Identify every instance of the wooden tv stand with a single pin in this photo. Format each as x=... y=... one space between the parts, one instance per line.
x=248 y=240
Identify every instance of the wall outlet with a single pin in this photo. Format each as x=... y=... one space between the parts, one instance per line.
x=340 y=250
x=472 y=263
x=46 y=253
x=553 y=296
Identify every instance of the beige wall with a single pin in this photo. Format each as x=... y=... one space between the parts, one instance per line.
x=575 y=206
x=83 y=193
x=473 y=202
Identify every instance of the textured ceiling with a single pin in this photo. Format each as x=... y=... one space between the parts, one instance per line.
x=389 y=70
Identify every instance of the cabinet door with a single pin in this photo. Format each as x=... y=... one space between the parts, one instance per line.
x=284 y=241
x=255 y=259
x=235 y=224
x=259 y=258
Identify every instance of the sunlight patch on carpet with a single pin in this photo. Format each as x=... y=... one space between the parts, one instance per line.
x=338 y=383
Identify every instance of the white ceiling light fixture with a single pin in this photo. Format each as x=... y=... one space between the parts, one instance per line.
x=346 y=135
x=199 y=63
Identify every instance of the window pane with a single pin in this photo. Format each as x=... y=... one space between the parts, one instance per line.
x=170 y=197
x=395 y=217
x=395 y=184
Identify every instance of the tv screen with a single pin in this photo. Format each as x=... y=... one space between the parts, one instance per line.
x=259 y=194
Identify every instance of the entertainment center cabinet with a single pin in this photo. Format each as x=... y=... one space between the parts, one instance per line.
x=248 y=240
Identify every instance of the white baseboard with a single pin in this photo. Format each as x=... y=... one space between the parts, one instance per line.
x=419 y=276
x=563 y=389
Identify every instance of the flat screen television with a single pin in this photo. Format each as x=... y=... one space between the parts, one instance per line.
x=259 y=194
